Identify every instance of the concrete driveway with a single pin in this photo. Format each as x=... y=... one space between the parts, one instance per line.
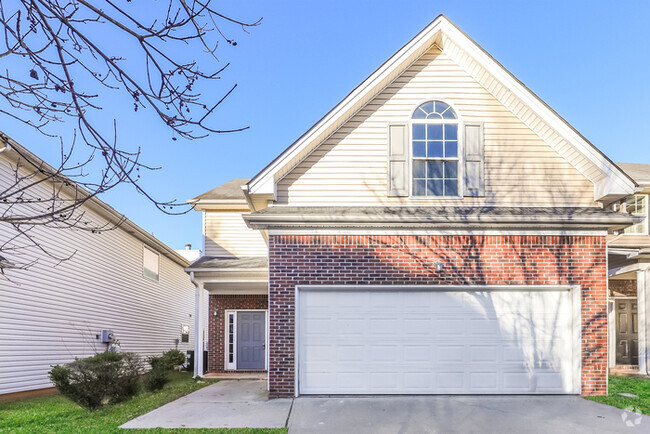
x=462 y=414
x=245 y=404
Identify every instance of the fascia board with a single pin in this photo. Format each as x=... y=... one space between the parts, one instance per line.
x=499 y=72
x=264 y=182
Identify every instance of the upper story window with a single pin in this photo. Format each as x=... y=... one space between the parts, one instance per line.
x=638 y=205
x=150 y=263
x=435 y=150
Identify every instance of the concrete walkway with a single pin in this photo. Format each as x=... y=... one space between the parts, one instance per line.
x=226 y=404
x=245 y=404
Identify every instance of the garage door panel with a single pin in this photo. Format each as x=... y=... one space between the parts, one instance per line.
x=353 y=341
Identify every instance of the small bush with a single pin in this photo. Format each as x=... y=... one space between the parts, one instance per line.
x=174 y=358
x=161 y=365
x=156 y=379
x=105 y=378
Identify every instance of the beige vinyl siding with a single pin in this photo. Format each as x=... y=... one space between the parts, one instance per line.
x=51 y=312
x=350 y=167
x=226 y=234
x=628 y=240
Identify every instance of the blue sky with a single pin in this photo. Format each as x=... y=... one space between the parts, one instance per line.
x=589 y=60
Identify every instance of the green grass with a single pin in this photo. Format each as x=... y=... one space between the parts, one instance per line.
x=636 y=386
x=56 y=414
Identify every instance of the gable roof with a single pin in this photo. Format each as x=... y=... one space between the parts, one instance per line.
x=637 y=171
x=230 y=190
x=609 y=181
x=18 y=151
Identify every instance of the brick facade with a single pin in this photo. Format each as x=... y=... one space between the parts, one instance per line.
x=488 y=260
x=217 y=323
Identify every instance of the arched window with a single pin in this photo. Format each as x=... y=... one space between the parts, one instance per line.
x=435 y=150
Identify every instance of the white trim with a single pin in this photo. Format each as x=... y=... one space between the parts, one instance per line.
x=146 y=248
x=575 y=290
x=460 y=141
x=203 y=232
x=440 y=288
x=539 y=108
x=361 y=231
x=230 y=366
x=260 y=183
x=615 y=182
x=576 y=324
x=233 y=366
x=646 y=199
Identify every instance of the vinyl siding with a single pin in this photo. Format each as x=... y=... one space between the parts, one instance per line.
x=51 y=312
x=226 y=233
x=350 y=167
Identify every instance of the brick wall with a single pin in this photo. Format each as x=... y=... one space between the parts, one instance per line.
x=217 y=323
x=488 y=260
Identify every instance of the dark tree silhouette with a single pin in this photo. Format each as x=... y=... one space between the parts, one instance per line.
x=67 y=62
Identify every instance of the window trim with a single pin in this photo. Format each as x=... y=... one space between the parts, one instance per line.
x=157 y=278
x=646 y=227
x=461 y=149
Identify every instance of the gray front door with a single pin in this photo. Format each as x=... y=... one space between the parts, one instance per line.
x=627 y=340
x=251 y=336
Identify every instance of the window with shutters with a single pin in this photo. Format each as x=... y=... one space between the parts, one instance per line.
x=434 y=141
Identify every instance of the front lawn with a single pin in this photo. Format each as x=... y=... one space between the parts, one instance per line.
x=636 y=386
x=56 y=414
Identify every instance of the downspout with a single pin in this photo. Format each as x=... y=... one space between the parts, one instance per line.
x=645 y=328
x=197 y=339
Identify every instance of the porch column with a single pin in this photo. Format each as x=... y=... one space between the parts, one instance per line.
x=643 y=318
x=199 y=318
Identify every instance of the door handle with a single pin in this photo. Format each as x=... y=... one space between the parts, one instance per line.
x=263 y=346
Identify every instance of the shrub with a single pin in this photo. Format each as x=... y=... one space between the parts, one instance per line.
x=161 y=365
x=174 y=358
x=156 y=379
x=105 y=378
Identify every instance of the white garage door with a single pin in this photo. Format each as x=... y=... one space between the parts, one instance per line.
x=428 y=341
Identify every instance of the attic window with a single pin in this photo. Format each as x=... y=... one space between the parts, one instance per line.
x=637 y=205
x=435 y=150
x=150 y=263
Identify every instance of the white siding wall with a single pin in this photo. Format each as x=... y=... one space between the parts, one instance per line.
x=226 y=234
x=50 y=313
x=350 y=168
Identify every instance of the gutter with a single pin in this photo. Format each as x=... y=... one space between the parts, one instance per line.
x=94 y=203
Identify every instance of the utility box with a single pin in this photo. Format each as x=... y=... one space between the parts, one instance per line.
x=107 y=336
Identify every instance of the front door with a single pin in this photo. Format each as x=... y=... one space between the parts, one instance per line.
x=251 y=336
x=627 y=352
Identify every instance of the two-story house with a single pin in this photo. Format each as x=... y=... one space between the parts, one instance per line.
x=440 y=230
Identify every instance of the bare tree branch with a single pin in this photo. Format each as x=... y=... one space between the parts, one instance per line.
x=64 y=59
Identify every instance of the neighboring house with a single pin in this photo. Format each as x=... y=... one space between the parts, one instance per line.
x=124 y=280
x=189 y=253
x=629 y=279
x=441 y=230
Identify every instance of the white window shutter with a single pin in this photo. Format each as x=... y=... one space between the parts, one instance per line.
x=474 y=184
x=398 y=173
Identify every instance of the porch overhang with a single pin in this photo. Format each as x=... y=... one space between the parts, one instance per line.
x=229 y=275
